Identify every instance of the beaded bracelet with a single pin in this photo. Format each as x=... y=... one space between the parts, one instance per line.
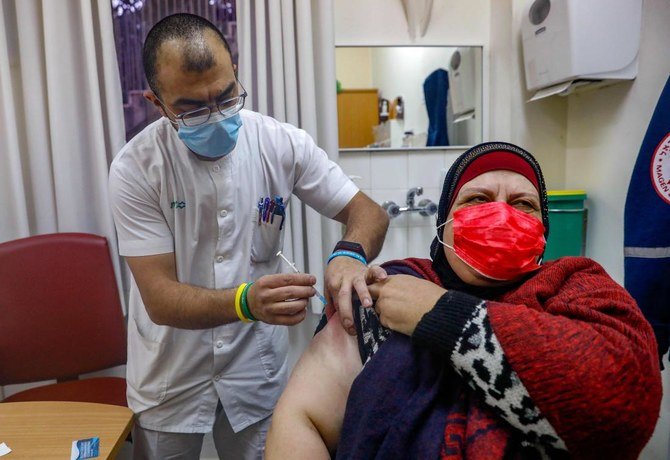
x=246 y=311
x=238 y=306
x=351 y=254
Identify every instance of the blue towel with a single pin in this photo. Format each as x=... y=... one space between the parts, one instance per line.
x=436 y=90
x=647 y=225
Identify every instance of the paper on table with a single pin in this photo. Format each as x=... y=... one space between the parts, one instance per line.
x=4 y=449
x=85 y=448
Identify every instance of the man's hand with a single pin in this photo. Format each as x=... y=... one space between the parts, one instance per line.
x=344 y=275
x=282 y=298
x=402 y=300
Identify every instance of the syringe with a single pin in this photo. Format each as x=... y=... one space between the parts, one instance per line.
x=295 y=270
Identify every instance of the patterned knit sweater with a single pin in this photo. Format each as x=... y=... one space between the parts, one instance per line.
x=563 y=365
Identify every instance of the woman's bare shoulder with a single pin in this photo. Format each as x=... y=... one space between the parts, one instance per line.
x=336 y=346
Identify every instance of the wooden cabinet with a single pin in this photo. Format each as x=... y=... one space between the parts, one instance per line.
x=357 y=113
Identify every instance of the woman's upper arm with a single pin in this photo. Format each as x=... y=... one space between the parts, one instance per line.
x=308 y=418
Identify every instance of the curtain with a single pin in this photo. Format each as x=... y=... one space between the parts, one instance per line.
x=61 y=117
x=287 y=65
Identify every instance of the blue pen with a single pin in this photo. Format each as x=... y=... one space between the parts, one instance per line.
x=260 y=210
x=281 y=210
x=277 y=208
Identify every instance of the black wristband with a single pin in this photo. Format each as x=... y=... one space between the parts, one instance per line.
x=351 y=246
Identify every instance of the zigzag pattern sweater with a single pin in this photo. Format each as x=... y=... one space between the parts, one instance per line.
x=563 y=365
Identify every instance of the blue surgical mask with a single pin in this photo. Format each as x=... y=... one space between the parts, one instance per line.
x=214 y=139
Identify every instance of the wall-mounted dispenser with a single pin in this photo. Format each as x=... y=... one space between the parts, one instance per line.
x=579 y=43
x=463 y=83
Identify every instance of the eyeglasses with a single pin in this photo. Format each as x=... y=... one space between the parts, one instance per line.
x=227 y=108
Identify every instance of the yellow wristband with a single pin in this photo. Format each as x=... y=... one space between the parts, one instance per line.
x=238 y=305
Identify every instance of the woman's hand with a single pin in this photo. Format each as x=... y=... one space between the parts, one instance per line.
x=402 y=300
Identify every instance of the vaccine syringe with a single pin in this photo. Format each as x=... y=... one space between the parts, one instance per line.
x=295 y=270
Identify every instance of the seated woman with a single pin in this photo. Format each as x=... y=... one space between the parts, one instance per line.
x=485 y=352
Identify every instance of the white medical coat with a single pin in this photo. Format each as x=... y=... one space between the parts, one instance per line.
x=166 y=200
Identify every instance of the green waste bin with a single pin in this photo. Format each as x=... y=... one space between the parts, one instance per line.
x=567 y=224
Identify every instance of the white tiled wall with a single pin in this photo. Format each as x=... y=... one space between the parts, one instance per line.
x=387 y=175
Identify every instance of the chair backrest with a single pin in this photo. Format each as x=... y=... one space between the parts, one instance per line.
x=60 y=313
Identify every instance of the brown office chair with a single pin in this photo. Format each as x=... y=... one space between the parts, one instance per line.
x=60 y=316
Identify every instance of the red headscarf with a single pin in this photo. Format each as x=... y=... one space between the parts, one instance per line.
x=492 y=161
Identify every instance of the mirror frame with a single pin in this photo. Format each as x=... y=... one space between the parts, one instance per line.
x=484 y=104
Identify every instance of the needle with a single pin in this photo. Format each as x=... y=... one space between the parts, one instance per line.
x=295 y=270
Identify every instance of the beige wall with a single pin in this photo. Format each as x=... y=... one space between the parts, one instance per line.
x=382 y=22
x=540 y=126
x=353 y=67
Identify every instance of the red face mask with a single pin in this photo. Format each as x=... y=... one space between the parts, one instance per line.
x=496 y=240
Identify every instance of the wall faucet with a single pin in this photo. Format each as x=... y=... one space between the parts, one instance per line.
x=425 y=208
x=411 y=193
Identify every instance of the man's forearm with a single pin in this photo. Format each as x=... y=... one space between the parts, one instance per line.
x=366 y=223
x=175 y=304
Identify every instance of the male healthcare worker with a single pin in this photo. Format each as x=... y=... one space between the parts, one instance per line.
x=198 y=199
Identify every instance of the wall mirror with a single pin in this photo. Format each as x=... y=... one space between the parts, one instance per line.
x=413 y=97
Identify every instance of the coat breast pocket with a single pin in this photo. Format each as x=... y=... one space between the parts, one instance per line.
x=267 y=238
